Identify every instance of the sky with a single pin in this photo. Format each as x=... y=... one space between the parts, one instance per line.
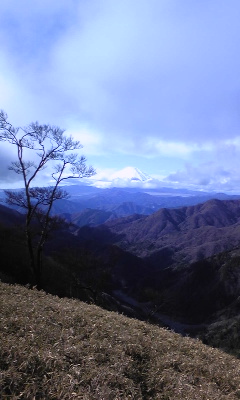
x=153 y=84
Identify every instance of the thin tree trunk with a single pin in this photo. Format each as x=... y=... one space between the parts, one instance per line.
x=31 y=255
x=39 y=268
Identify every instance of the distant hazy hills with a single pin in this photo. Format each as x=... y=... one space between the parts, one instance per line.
x=118 y=202
x=109 y=204
x=168 y=236
x=138 y=223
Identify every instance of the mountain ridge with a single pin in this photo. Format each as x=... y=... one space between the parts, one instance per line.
x=183 y=228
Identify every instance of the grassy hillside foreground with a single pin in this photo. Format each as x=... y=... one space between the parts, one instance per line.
x=53 y=348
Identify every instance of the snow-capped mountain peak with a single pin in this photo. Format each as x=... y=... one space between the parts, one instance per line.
x=126 y=177
x=132 y=174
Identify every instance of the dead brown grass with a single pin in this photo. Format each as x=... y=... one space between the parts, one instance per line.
x=53 y=348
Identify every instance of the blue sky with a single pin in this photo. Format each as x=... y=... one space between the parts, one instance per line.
x=149 y=83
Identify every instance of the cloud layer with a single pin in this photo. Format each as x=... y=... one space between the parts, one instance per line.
x=152 y=80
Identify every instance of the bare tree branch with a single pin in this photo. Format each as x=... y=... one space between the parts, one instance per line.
x=52 y=149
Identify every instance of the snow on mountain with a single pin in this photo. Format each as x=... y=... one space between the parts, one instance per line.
x=126 y=177
x=131 y=173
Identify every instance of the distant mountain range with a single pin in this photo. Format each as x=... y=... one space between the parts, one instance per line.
x=89 y=205
x=93 y=206
x=176 y=266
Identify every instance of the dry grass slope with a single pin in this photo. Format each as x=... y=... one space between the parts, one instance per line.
x=55 y=348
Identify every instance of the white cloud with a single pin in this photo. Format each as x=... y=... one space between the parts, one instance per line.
x=212 y=175
x=130 y=65
x=129 y=78
x=176 y=148
x=91 y=140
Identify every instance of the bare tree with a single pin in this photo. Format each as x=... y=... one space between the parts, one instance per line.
x=50 y=148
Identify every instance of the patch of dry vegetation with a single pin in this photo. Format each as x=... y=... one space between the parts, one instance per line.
x=53 y=348
x=224 y=334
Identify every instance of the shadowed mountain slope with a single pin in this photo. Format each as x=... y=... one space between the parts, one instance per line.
x=89 y=217
x=189 y=233
x=10 y=217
